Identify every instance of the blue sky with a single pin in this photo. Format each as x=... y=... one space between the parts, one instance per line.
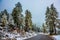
x=36 y=7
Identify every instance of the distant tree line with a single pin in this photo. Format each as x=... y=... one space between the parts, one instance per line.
x=18 y=17
x=51 y=16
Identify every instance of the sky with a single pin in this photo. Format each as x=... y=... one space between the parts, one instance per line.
x=36 y=7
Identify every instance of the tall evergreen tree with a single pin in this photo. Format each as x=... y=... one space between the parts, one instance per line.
x=0 y=17
x=17 y=14
x=51 y=15
x=47 y=16
x=5 y=17
x=28 y=21
x=5 y=11
x=54 y=15
x=44 y=28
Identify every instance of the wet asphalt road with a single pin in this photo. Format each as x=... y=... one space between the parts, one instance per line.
x=40 y=37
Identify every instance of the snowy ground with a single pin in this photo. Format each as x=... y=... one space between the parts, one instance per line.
x=18 y=36
x=43 y=33
x=28 y=35
x=57 y=37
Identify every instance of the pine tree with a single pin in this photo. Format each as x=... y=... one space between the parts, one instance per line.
x=44 y=28
x=28 y=21
x=16 y=13
x=54 y=15
x=5 y=11
x=0 y=17
x=51 y=15
x=47 y=16
x=5 y=17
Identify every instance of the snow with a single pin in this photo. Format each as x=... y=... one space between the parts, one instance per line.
x=28 y=35
x=57 y=37
x=19 y=36
x=43 y=33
